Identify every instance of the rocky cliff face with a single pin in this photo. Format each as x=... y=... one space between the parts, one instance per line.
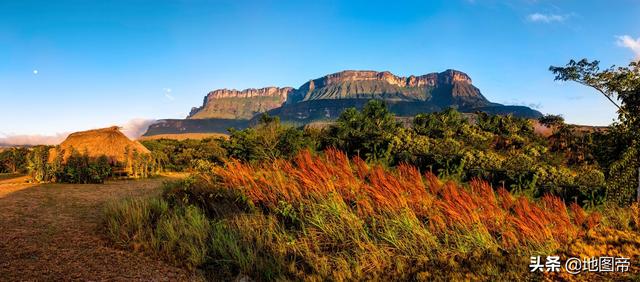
x=325 y=98
x=456 y=85
x=249 y=93
x=448 y=88
x=431 y=79
x=240 y=104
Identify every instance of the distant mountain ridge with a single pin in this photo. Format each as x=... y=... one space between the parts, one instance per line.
x=385 y=85
x=326 y=97
x=240 y=104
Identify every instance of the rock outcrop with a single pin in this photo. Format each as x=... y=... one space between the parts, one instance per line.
x=240 y=104
x=326 y=97
x=431 y=79
x=249 y=93
x=451 y=86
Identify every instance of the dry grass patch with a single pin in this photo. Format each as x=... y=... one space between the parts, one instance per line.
x=328 y=217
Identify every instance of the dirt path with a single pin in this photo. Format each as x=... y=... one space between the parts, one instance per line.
x=51 y=232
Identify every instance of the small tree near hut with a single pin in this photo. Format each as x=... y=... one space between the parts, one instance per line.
x=139 y=165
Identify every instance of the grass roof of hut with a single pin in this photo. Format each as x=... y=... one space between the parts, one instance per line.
x=104 y=141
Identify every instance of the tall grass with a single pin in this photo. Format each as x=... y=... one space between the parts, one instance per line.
x=327 y=217
x=373 y=194
x=178 y=234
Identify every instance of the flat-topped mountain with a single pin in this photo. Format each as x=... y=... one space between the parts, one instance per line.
x=326 y=97
x=450 y=87
x=445 y=89
x=240 y=104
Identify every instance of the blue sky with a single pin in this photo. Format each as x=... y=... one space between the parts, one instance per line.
x=100 y=63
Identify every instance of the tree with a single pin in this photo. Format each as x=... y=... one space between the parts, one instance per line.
x=37 y=163
x=56 y=167
x=621 y=87
x=368 y=133
x=268 y=140
x=551 y=120
x=13 y=160
x=439 y=125
x=80 y=168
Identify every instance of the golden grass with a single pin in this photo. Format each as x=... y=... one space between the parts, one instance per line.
x=376 y=192
x=330 y=218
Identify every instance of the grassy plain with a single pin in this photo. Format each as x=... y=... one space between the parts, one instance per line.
x=52 y=232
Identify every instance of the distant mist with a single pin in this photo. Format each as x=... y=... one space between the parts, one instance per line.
x=33 y=139
x=133 y=129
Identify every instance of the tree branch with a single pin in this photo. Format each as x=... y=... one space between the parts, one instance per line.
x=603 y=93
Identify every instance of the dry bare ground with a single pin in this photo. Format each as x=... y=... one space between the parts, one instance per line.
x=51 y=232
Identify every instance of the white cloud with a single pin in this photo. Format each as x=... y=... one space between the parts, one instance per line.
x=167 y=94
x=133 y=129
x=35 y=139
x=547 y=18
x=516 y=102
x=628 y=42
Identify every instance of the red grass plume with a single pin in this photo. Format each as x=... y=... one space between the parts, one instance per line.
x=373 y=191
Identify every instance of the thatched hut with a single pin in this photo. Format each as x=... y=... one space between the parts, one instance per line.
x=109 y=142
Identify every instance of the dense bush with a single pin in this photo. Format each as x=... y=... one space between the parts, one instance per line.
x=174 y=155
x=503 y=150
x=330 y=218
x=139 y=165
x=13 y=160
x=500 y=149
x=268 y=140
x=78 y=168
x=39 y=167
x=368 y=133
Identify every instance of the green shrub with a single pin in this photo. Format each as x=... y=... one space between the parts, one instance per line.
x=13 y=160
x=80 y=168
x=368 y=133
x=268 y=140
x=179 y=155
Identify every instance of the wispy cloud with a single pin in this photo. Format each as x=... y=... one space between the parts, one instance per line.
x=547 y=18
x=536 y=106
x=133 y=129
x=628 y=42
x=36 y=139
x=516 y=102
x=167 y=93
